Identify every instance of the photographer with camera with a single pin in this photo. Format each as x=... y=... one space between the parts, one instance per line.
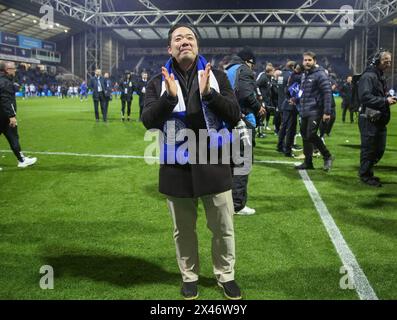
x=374 y=115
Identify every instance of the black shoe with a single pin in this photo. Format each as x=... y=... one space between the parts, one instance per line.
x=372 y=182
x=289 y=155
x=305 y=166
x=189 y=290
x=328 y=163
x=261 y=135
x=231 y=290
x=280 y=150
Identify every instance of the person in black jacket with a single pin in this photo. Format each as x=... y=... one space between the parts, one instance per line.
x=108 y=93
x=347 y=96
x=127 y=88
x=97 y=85
x=265 y=84
x=290 y=113
x=374 y=116
x=141 y=91
x=189 y=95
x=240 y=74
x=8 y=113
x=315 y=106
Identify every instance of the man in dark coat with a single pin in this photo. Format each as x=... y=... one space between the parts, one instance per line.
x=141 y=91
x=188 y=90
x=347 y=96
x=291 y=76
x=374 y=116
x=315 y=106
x=8 y=113
x=97 y=85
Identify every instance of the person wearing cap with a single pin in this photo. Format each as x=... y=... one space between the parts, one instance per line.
x=188 y=94
x=241 y=76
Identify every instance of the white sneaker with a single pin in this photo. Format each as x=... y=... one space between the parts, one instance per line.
x=246 y=211
x=300 y=157
x=268 y=129
x=26 y=162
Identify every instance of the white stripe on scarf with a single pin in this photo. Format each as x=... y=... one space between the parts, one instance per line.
x=181 y=107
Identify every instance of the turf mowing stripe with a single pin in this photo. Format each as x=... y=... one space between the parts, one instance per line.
x=122 y=156
x=361 y=283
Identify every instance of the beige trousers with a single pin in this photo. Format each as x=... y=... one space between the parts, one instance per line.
x=219 y=212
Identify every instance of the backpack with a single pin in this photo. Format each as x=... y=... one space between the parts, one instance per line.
x=233 y=74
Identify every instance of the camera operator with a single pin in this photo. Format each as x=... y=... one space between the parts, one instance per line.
x=374 y=115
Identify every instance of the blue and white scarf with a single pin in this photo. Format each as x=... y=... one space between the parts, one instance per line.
x=168 y=152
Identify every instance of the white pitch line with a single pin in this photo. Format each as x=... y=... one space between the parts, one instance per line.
x=122 y=156
x=361 y=283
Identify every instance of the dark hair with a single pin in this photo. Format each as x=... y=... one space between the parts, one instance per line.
x=310 y=54
x=177 y=26
x=246 y=55
x=375 y=59
x=290 y=65
x=3 y=66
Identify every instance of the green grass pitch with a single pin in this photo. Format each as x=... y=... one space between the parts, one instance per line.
x=105 y=229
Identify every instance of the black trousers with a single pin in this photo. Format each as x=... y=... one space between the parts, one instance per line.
x=277 y=121
x=373 y=145
x=240 y=181
x=123 y=103
x=12 y=137
x=104 y=106
x=287 y=131
x=309 y=128
x=346 y=107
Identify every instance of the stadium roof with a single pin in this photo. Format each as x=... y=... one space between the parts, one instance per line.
x=149 y=20
x=23 y=17
x=15 y=21
x=227 y=20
